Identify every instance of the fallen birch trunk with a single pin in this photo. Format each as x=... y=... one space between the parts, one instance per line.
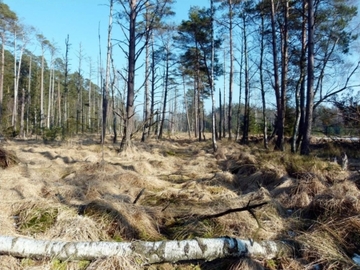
x=152 y=252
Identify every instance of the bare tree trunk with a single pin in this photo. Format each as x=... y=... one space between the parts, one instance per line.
x=238 y=127
x=17 y=69
x=2 y=76
x=280 y=144
x=105 y=88
x=279 y=109
x=42 y=86
x=300 y=89
x=199 y=111
x=246 y=122
x=198 y=90
x=28 y=96
x=51 y=89
x=152 y=94
x=114 y=101
x=146 y=120
x=53 y=105
x=262 y=87
x=129 y=118
x=16 y=89
x=220 y=115
x=22 y=134
x=66 y=87
x=186 y=108
x=166 y=85
x=195 y=110
x=224 y=101
x=305 y=145
x=231 y=71
x=90 y=101
x=213 y=122
x=79 y=93
x=152 y=252
x=49 y=96
x=59 y=100
x=224 y=114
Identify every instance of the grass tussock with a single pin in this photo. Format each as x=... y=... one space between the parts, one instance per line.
x=7 y=158
x=123 y=221
x=72 y=227
x=35 y=218
x=323 y=249
x=80 y=191
x=340 y=200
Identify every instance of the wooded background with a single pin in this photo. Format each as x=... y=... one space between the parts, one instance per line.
x=294 y=65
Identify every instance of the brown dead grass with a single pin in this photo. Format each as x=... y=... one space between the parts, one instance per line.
x=86 y=192
x=116 y=263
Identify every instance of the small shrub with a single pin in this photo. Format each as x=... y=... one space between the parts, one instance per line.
x=51 y=134
x=10 y=132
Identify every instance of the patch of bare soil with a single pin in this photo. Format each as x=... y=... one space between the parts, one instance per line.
x=81 y=191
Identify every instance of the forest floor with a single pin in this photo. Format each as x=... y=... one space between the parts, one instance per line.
x=78 y=190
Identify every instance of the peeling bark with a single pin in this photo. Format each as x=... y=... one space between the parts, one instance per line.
x=153 y=252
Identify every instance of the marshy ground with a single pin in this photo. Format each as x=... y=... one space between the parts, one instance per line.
x=78 y=190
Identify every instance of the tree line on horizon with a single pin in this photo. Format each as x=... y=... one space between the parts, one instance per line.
x=298 y=55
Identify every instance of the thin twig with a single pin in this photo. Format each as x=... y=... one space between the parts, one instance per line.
x=248 y=207
x=139 y=195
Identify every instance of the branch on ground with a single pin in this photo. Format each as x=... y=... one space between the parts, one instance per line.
x=248 y=207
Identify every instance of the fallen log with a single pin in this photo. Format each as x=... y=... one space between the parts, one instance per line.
x=152 y=252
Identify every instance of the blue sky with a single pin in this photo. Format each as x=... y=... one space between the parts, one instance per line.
x=81 y=20
x=55 y=19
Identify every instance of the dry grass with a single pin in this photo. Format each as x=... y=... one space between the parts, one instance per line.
x=116 y=263
x=79 y=191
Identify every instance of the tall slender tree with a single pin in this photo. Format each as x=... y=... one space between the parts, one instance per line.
x=305 y=145
x=299 y=125
x=52 y=50
x=66 y=86
x=261 y=78
x=168 y=56
x=106 y=85
x=212 y=84
x=195 y=40
x=132 y=10
x=44 y=43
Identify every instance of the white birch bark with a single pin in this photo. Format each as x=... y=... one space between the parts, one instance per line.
x=153 y=252
x=17 y=69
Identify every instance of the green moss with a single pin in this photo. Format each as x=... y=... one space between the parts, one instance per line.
x=117 y=238
x=27 y=262
x=82 y=265
x=58 y=265
x=271 y=264
x=170 y=153
x=37 y=220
